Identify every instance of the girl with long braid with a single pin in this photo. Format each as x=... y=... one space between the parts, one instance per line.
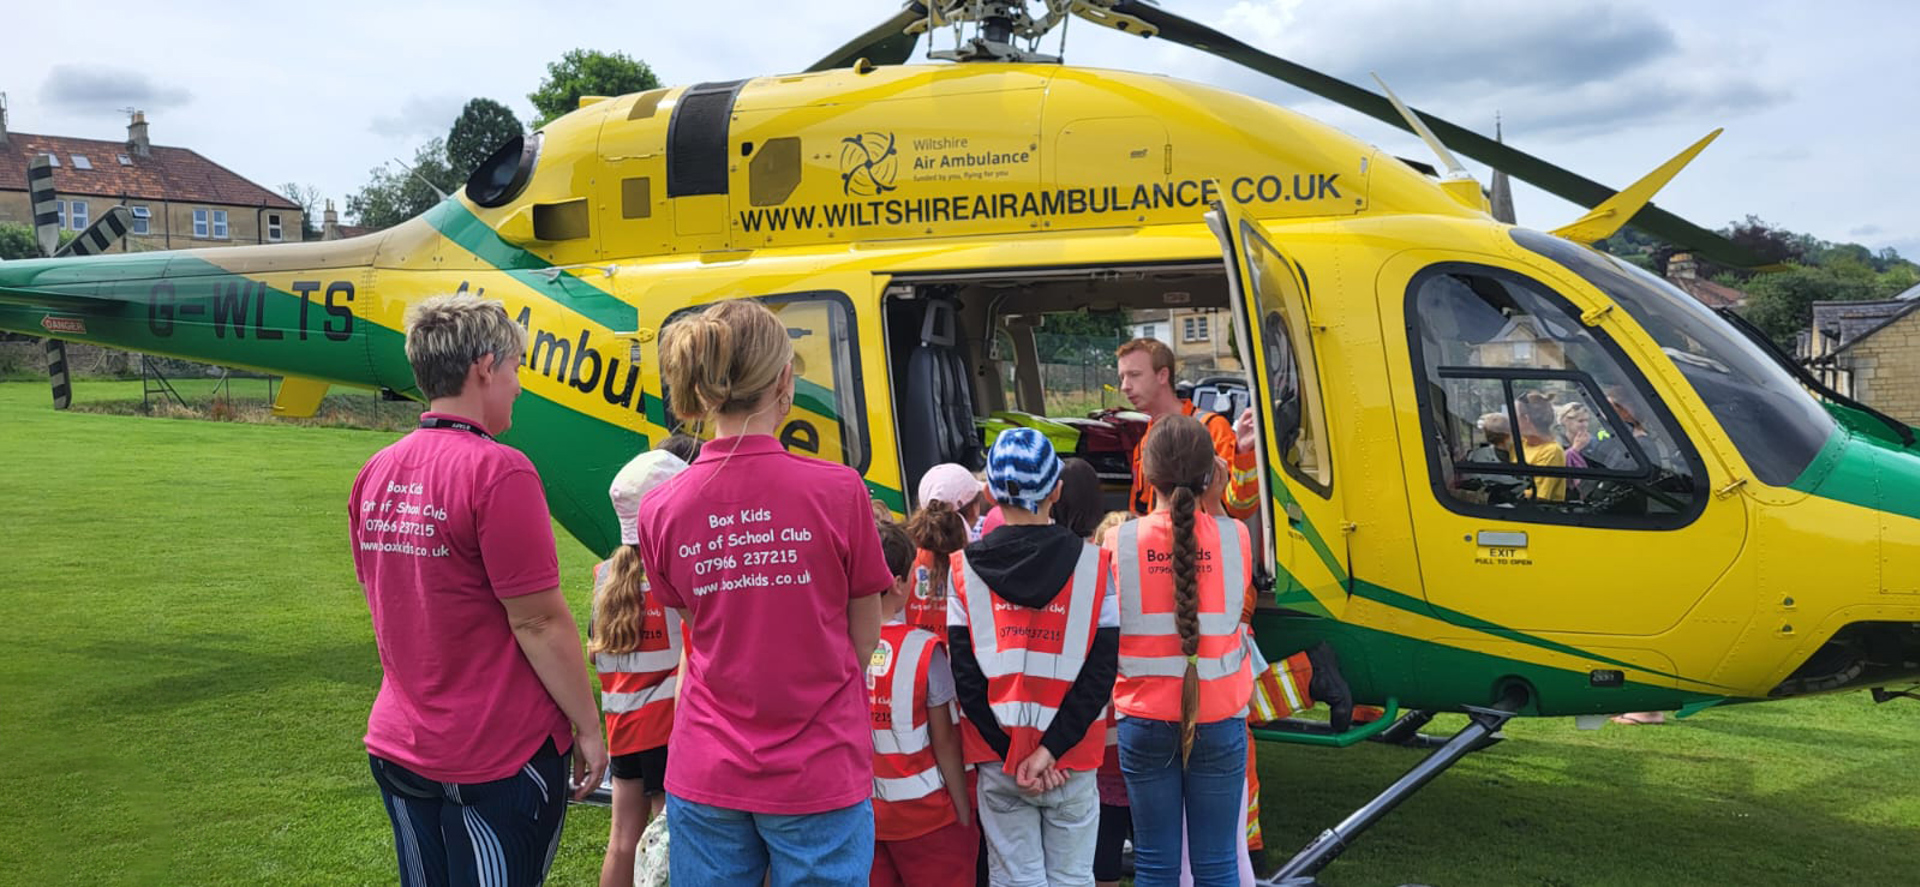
x=1184 y=680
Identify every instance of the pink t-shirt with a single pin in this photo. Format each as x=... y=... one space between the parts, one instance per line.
x=764 y=550
x=444 y=523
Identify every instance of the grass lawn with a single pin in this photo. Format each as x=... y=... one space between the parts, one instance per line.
x=188 y=669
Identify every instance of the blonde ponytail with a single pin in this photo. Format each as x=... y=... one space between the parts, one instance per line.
x=724 y=359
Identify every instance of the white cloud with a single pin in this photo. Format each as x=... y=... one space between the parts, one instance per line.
x=96 y=89
x=420 y=118
x=1607 y=90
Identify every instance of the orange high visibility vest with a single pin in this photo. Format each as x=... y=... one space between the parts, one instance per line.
x=637 y=689
x=1241 y=498
x=909 y=797
x=1031 y=657
x=1151 y=662
x=925 y=608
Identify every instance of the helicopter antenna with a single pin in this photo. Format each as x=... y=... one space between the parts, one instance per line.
x=1454 y=169
x=423 y=179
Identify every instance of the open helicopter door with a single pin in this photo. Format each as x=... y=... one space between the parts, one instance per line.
x=1272 y=314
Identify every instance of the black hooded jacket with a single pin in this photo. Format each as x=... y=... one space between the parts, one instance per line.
x=1030 y=566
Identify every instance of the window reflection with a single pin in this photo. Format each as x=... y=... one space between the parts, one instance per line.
x=1531 y=416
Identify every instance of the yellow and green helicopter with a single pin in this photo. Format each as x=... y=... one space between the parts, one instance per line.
x=1715 y=532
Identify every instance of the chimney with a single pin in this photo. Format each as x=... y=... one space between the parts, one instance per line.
x=1681 y=267
x=137 y=143
x=3 y=118
x=330 y=223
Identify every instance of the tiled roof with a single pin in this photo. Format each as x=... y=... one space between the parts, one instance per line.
x=176 y=174
x=1708 y=293
x=1849 y=322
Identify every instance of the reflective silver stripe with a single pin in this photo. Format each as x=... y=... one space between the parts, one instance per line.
x=1082 y=608
x=621 y=703
x=887 y=742
x=905 y=738
x=639 y=661
x=1232 y=553
x=908 y=788
x=1135 y=622
x=1025 y=714
x=1210 y=668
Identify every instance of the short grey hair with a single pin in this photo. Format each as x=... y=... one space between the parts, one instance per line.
x=446 y=334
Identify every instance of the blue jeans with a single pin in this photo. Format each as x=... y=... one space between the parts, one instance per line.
x=733 y=848
x=1208 y=790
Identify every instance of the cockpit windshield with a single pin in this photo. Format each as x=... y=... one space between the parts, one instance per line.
x=1777 y=426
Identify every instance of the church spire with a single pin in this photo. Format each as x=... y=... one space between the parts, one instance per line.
x=1502 y=191
x=1501 y=195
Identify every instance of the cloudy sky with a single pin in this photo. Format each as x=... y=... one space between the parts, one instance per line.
x=1817 y=98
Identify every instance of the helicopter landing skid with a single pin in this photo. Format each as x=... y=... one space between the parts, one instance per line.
x=1479 y=733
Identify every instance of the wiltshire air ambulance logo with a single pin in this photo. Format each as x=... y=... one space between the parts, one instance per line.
x=868 y=164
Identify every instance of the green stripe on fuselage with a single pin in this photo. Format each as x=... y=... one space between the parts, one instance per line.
x=575 y=293
x=1426 y=674
x=1867 y=471
x=1419 y=606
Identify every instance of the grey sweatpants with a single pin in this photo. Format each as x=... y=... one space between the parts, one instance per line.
x=1043 y=840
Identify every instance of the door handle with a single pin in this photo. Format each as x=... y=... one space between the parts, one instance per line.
x=1502 y=539
x=1294 y=517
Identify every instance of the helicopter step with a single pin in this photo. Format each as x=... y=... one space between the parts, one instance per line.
x=1481 y=731
x=1403 y=731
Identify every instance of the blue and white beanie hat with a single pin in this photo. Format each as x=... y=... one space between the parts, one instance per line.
x=1022 y=469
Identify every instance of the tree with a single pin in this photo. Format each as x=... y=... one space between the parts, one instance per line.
x=17 y=241
x=1774 y=245
x=391 y=197
x=484 y=125
x=584 y=72
x=1781 y=304
x=308 y=197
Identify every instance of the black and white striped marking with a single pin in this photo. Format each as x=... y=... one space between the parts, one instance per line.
x=101 y=235
x=57 y=374
x=46 y=210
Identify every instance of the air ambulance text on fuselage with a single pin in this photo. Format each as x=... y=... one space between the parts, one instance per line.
x=1249 y=189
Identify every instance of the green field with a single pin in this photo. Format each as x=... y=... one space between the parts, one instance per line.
x=188 y=668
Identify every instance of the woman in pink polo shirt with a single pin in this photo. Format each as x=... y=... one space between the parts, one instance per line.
x=774 y=563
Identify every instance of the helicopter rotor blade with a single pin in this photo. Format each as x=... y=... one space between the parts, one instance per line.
x=887 y=43
x=1519 y=164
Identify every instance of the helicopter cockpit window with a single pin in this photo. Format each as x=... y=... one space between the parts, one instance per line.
x=1776 y=425
x=504 y=173
x=828 y=419
x=1532 y=416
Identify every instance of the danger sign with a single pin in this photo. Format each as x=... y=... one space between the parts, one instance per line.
x=64 y=325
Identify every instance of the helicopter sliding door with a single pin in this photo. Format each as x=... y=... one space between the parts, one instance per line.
x=1272 y=313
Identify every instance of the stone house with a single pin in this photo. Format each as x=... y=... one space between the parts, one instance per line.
x=1202 y=339
x=179 y=199
x=1869 y=351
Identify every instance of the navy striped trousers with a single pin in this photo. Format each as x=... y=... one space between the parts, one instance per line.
x=487 y=834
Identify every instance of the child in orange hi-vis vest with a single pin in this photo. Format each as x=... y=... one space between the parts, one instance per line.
x=1034 y=632
x=636 y=649
x=922 y=812
x=940 y=528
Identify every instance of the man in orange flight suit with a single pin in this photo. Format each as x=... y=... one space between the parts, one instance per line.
x=1146 y=378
